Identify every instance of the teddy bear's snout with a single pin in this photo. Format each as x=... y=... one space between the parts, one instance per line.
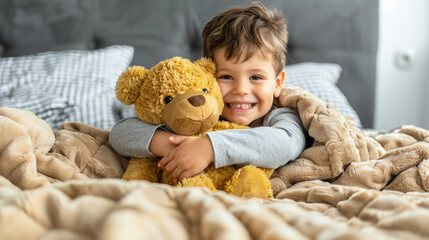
x=197 y=100
x=192 y=112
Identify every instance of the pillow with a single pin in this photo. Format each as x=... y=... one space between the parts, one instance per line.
x=51 y=108
x=321 y=80
x=79 y=78
x=127 y=111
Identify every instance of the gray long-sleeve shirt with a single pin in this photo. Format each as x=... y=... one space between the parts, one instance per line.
x=279 y=139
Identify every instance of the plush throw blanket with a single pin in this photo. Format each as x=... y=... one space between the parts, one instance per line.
x=344 y=155
x=349 y=184
x=32 y=155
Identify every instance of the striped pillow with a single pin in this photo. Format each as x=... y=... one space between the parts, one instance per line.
x=51 y=108
x=321 y=80
x=82 y=82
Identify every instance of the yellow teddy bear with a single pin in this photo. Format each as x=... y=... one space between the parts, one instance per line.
x=186 y=97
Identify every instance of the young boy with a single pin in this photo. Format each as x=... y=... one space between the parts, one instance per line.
x=248 y=46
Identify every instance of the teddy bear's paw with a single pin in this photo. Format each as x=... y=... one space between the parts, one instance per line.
x=200 y=180
x=143 y=169
x=268 y=171
x=248 y=182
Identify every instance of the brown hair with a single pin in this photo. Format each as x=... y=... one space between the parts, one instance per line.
x=248 y=30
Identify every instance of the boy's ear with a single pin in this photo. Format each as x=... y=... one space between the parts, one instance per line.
x=207 y=64
x=129 y=84
x=279 y=83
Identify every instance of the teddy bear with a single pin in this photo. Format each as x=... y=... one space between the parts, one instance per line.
x=185 y=96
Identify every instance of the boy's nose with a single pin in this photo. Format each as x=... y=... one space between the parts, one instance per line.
x=241 y=88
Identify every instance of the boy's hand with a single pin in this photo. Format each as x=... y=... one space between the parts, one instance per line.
x=191 y=156
x=160 y=144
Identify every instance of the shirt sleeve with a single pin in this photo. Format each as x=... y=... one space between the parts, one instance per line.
x=280 y=139
x=131 y=137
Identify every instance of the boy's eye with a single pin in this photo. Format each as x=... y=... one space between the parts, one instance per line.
x=255 y=78
x=225 y=77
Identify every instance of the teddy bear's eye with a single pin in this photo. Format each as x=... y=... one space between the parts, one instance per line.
x=205 y=90
x=168 y=99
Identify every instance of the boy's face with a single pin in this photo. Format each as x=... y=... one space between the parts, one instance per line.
x=248 y=88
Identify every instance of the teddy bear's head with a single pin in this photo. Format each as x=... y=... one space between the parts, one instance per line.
x=180 y=93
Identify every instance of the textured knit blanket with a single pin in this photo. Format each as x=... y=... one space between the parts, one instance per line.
x=343 y=154
x=349 y=184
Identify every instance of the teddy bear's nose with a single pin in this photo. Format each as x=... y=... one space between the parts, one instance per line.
x=197 y=100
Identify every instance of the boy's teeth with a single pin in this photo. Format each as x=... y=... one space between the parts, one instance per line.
x=240 y=106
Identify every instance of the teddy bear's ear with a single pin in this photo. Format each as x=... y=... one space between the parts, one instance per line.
x=207 y=64
x=129 y=83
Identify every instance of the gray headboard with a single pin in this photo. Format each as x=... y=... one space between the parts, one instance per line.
x=336 y=31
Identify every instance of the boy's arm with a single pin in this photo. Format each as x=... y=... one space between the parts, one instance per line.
x=160 y=144
x=281 y=139
x=191 y=156
x=132 y=137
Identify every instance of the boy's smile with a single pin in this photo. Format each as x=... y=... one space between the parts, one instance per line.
x=240 y=105
x=248 y=87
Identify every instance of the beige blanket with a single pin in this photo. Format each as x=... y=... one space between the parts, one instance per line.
x=344 y=155
x=113 y=209
x=348 y=185
x=32 y=155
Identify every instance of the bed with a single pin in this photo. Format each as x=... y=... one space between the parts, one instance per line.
x=60 y=178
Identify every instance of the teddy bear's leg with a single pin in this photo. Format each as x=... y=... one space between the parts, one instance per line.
x=219 y=176
x=143 y=169
x=250 y=181
x=200 y=180
x=268 y=171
